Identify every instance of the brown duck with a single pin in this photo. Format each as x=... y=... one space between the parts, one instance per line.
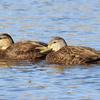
x=70 y=55
x=28 y=50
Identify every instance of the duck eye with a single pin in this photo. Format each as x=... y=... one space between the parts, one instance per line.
x=54 y=42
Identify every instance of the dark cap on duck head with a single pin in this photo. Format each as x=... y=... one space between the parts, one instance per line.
x=57 y=43
x=6 y=35
x=57 y=38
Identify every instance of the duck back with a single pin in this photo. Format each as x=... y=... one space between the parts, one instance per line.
x=72 y=55
x=23 y=51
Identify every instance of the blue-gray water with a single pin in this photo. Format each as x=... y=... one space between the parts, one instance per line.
x=78 y=21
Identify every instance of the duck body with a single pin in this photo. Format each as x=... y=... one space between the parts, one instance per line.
x=70 y=55
x=24 y=51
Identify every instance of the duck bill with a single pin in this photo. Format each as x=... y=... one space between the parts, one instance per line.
x=44 y=50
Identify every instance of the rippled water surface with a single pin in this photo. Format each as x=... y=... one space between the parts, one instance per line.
x=78 y=21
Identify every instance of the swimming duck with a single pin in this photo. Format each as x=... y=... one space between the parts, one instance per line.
x=70 y=55
x=27 y=50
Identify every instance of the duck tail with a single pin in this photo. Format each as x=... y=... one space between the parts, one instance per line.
x=93 y=60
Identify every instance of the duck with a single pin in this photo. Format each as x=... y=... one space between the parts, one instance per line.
x=63 y=54
x=20 y=51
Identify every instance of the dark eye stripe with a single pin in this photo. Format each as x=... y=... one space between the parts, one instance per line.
x=2 y=37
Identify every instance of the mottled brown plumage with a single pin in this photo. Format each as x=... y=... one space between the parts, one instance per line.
x=24 y=51
x=71 y=55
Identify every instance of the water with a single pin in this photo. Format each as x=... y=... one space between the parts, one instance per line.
x=78 y=21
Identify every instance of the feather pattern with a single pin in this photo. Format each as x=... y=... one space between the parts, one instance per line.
x=72 y=55
x=23 y=51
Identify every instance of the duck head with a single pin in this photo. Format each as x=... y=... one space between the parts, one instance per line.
x=56 y=43
x=5 y=41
